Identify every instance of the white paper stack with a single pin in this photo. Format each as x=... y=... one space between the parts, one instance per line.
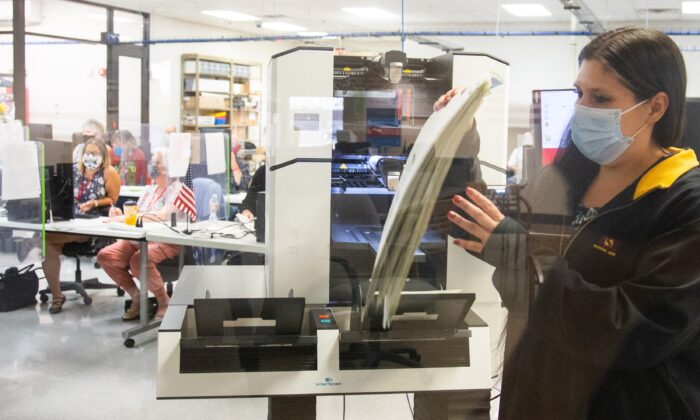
x=423 y=176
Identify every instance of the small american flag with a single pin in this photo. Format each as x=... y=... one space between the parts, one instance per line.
x=185 y=198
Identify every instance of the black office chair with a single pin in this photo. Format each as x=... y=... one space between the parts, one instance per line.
x=170 y=269
x=76 y=250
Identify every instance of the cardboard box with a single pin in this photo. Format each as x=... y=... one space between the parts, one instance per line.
x=206 y=120
x=212 y=102
x=188 y=102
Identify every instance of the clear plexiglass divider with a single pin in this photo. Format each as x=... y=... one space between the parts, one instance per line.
x=23 y=204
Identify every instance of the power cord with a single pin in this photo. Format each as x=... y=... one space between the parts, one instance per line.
x=408 y=401
x=212 y=235
x=343 y=406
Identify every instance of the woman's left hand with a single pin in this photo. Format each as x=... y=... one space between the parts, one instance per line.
x=486 y=217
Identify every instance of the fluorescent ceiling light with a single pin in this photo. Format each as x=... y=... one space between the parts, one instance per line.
x=230 y=15
x=690 y=7
x=370 y=12
x=282 y=27
x=526 y=10
x=311 y=33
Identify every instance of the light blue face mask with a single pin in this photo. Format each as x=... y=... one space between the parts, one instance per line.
x=597 y=134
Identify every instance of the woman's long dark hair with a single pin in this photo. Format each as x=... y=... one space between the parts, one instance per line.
x=647 y=62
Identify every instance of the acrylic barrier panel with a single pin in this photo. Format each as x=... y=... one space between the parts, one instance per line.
x=129 y=92
x=219 y=174
x=131 y=152
x=151 y=173
x=167 y=193
x=375 y=127
x=66 y=85
x=23 y=204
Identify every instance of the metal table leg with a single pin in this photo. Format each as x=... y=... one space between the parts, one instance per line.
x=144 y=325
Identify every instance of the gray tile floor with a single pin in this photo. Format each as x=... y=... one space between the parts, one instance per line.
x=73 y=365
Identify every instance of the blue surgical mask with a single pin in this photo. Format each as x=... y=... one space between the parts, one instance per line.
x=596 y=132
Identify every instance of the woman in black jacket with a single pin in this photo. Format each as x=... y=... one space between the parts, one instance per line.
x=613 y=331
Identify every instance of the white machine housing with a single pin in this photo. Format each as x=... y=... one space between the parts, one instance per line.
x=298 y=190
x=298 y=195
x=299 y=148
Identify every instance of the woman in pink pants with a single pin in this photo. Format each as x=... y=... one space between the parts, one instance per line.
x=121 y=260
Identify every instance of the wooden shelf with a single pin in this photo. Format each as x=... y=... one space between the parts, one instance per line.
x=207 y=75
x=207 y=126
x=227 y=101
x=206 y=91
x=210 y=109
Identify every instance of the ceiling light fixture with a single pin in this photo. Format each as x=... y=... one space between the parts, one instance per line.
x=230 y=15
x=690 y=7
x=526 y=10
x=370 y=13
x=282 y=27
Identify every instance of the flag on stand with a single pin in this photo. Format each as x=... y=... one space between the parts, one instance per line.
x=185 y=197
x=188 y=178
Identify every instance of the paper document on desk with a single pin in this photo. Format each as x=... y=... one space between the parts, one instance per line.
x=20 y=170
x=179 y=151
x=422 y=178
x=216 y=153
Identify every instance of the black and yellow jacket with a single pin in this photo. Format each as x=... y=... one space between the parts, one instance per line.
x=614 y=330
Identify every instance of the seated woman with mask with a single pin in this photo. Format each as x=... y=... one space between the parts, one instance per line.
x=95 y=185
x=121 y=260
x=132 y=161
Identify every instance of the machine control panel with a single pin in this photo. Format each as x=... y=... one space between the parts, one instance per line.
x=322 y=319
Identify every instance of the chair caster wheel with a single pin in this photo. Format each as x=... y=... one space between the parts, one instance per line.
x=43 y=298
x=87 y=300
x=120 y=292
x=129 y=342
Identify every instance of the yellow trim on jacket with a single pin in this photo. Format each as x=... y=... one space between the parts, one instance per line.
x=664 y=174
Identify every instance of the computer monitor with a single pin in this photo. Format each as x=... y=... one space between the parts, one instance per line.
x=59 y=192
x=40 y=131
x=58 y=198
x=551 y=114
x=690 y=136
x=56 y=152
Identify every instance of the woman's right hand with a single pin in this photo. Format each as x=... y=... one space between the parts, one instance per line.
x=248 y=214
x=115 y=211
x=445 y=99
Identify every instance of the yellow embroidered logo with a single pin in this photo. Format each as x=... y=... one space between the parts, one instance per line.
x=607 y=245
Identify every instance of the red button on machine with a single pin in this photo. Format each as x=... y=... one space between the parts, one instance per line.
x=324 y=316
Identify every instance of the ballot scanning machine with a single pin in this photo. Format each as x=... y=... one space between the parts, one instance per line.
x=287 y=340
